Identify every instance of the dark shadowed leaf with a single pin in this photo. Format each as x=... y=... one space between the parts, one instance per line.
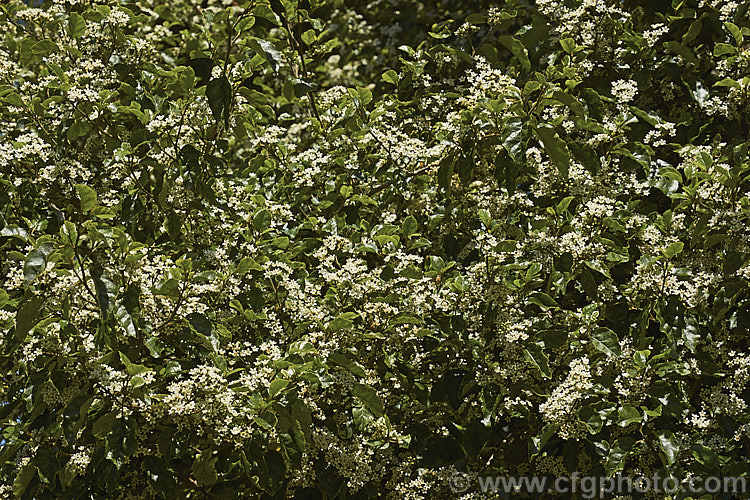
x=36 y=262
x=219 y=94
x=268 y=51
x=556 y=149
x=369 y=397
x=27 y=316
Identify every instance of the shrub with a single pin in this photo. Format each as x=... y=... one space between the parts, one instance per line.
x=318 y=249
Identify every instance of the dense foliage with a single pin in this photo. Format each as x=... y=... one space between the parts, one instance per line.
x=324 y=249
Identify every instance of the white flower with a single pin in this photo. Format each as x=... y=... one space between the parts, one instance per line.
x=624 y=91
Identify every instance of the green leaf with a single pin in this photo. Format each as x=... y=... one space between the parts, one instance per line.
x=542 y=300
x=589 y=284
x=445 y=172
x=247 y=264
x=309 y=37
x=476 y=18
x=155 y=346
x=465 y=169
x=278 y=9
x=275 y=468
x=267 y=50
x=693 y=31
x=14 y=231
x=174 y=223
x=705 y=456
x=405 y=318
x=669 y=446
x=302 y=87
x=36 y=262
x=69 y=233
x=132 y=368
x=219 y=94
x=628 y=415
x=23 y=479
x=361 y=95
x=476 y=438
x=570 y=101
x=170 y=288
x=568 y=45
x=26 y=316
x=517 y=49
x=606 y=341
x=343 y=321
x=262 y=220
x=125 y=320
x=204 y=471
x=344 y=360
x=673 y=249
x=45 y=47
x=276 y=386
x=714 y=239
x=537 y=442
x=681 y=50
x=617 y=455
x=106 y=290
x=512 y=138
x=733 y=262
x=76 y=25
x=437 y=263
x=728 y=82
x=735 y=31
x=87 y=197
x=594 y=423
x=369 y=397
x=534 y=269
x=186 y=78
x=594 y=103
x=4 y=298
x=47 y=464
x=563 y=205
x=104 y=424
x=391 y=77
x=556 y=149
x=530 y=87
x=200 y=324
x=409 y=226
x=411 y=272
x=534 y=354
x=722 y=49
